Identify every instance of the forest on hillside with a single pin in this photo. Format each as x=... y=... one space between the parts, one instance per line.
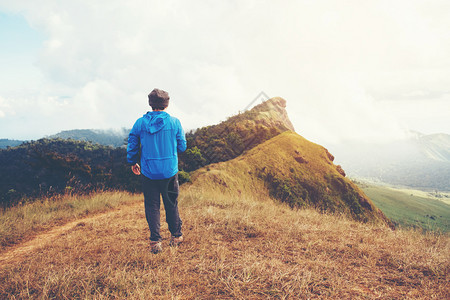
x=53 y=166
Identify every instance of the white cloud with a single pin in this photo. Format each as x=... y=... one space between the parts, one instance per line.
x=433 y=117
x=5 y=108
x=342 y=68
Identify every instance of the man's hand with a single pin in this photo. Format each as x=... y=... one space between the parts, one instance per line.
x=136 y=169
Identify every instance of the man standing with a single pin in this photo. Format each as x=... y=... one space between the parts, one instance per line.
x=158 y=137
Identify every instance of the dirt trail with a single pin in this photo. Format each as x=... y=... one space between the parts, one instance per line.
x=17 y=252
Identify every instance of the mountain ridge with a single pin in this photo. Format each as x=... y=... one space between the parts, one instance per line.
x=293 y=170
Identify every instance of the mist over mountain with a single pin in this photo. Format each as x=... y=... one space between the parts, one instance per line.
x=434 y=146
x=420 y=161
x=106 y=137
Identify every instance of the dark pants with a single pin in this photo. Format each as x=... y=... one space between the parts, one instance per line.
x=168 y=188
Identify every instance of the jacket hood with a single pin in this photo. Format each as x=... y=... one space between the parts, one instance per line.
x=154 y=121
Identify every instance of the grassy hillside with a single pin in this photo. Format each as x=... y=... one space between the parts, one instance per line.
x=409 y=210
x=293 y=170
x=235 y=248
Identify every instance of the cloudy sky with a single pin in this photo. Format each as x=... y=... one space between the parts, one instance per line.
x=349 y=69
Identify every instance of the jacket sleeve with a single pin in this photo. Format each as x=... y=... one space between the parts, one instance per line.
x=134 y=144
x=181 y=138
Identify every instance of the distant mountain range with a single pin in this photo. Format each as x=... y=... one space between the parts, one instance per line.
x=106 y=137
x=420 y=161
x=434 y=146
x=5 y=143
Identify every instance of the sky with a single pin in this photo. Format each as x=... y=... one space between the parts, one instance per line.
x=349 y=69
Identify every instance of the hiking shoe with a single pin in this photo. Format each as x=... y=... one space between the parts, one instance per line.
x=176 y=240
x=156 y=247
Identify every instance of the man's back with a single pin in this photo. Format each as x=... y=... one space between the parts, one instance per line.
x=159 y=137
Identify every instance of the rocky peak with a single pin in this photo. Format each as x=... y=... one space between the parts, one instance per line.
x=275 y=108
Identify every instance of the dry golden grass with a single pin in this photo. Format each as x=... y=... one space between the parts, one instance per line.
x=235 y=248
x=20 y=223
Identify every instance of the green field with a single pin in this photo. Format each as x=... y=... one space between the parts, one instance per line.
x=409 y=208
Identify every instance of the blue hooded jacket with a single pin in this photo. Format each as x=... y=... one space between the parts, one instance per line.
x=158 y=137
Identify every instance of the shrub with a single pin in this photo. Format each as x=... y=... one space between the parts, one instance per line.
x=183 y=177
